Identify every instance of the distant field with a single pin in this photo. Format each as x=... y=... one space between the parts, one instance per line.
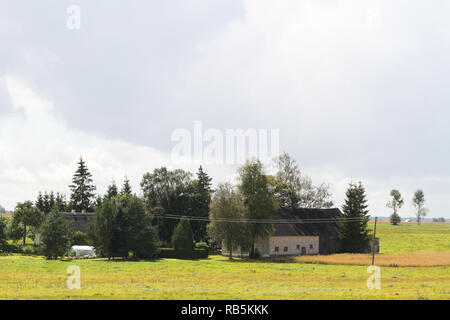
x=214 y=278
x=409 y=237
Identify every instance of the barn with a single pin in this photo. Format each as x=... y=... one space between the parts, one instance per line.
x=303 y=231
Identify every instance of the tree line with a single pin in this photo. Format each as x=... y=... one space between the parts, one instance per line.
x=127 y=225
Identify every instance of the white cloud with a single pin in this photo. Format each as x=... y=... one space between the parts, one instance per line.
x=39 y=152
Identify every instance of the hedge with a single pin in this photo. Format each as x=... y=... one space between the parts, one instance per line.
x=171 y=253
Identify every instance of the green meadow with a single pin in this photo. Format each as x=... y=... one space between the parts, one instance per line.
x=33 y=277
x=410 y=237
x=214 y=278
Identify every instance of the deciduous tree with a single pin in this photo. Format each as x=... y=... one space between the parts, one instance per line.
x=294 y=190
x=27 y=215
x=258 y=200
x=419 y=203
x=183 y=239
x=122 y=225
x=56 y=235
x=395 y=204
x=168 y=192
x=227 y=208
x=3 y=232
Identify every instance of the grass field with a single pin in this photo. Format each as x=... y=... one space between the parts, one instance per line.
x=29 y=277
x=409 y=237
x=214 y=278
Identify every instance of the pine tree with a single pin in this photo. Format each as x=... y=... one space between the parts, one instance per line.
x=352 y=227
x=82 y=188
x=112 y=191
x=126 y=189
x=201 y=201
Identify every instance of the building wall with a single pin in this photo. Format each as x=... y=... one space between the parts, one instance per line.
x=294 y=245
x=267 y=247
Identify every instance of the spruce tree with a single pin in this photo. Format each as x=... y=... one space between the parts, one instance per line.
x=126 y=189
x=82 y=188
x=201 y=201
x=51 y=201
x=60 y=202
x=112 y=191
x=47 y=207
x=352 y=227
x=40 y=204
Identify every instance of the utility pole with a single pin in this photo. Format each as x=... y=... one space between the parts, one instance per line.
x=373 y=242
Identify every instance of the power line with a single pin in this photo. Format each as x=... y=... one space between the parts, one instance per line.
x=265 y=221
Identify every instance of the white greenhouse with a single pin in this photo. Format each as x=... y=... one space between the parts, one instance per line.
x=82 y=251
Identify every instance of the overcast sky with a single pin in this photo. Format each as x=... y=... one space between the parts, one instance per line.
x=358 y=89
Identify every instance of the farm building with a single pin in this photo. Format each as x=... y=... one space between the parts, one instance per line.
x=79 y=221
x=293 y=238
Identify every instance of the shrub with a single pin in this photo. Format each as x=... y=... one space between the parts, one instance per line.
x=32 y=250
x=201 y=245
x=171 y=253
x=395 y=219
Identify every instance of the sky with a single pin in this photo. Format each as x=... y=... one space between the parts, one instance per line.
x=357 y=89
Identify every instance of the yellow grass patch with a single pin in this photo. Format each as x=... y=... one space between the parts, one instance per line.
x=411 y=259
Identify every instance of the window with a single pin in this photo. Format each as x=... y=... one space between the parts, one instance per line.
x=285 y=249
x=310 y=246
x=298 y=247
x=303 y=251
x=276 y=249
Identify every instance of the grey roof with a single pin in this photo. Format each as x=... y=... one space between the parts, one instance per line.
x=307 y=216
